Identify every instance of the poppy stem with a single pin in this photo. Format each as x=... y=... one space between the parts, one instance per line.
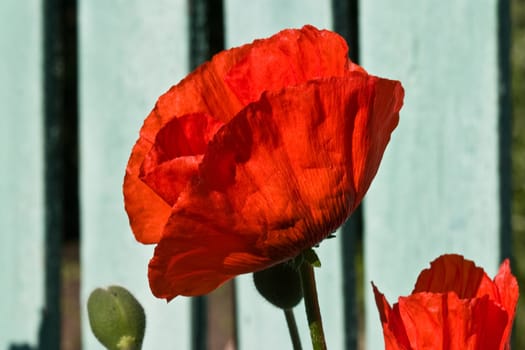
x=292 y=328
x=311 y=304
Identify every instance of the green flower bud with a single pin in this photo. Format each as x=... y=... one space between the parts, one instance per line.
x=280 y=285
x=116 y=318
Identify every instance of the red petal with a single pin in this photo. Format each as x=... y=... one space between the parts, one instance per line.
x=372 y=134
x=292 y=57
x=170 y=178
x=175 y=156
x=184 y=136
x=202 y=92
x=199 y=259
x=205 y=91
x=508 y=292
x=276 y=180
x=452 y=273
x=454 y=306
x=489 y=322
x=443 y=321
x=393 y=329
x=147 y=212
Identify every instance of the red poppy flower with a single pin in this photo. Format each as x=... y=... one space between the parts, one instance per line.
x=254 y=157
x=455 y=306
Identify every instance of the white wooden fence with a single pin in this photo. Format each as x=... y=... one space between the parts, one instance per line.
x=442 y=186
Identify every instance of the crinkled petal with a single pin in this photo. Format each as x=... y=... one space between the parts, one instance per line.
x=198 y=261
x=453 y=273
x=454 y=306
x=394 y=332
x=509 y=293
x=175 y=156
x=444 y=321
x=185 y=136
x=488 y=323
x=293 y=57
x=170 y=178
x=219 y=89
x=147 y=211
x=429 y=321
x=261 y=195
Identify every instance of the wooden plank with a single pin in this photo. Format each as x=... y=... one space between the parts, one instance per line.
x=130 y=53
x=258 y=321
x=437 y=190
x=21 y=185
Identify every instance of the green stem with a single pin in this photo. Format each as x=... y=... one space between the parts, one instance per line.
x=292 y=328
x=311 y=305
